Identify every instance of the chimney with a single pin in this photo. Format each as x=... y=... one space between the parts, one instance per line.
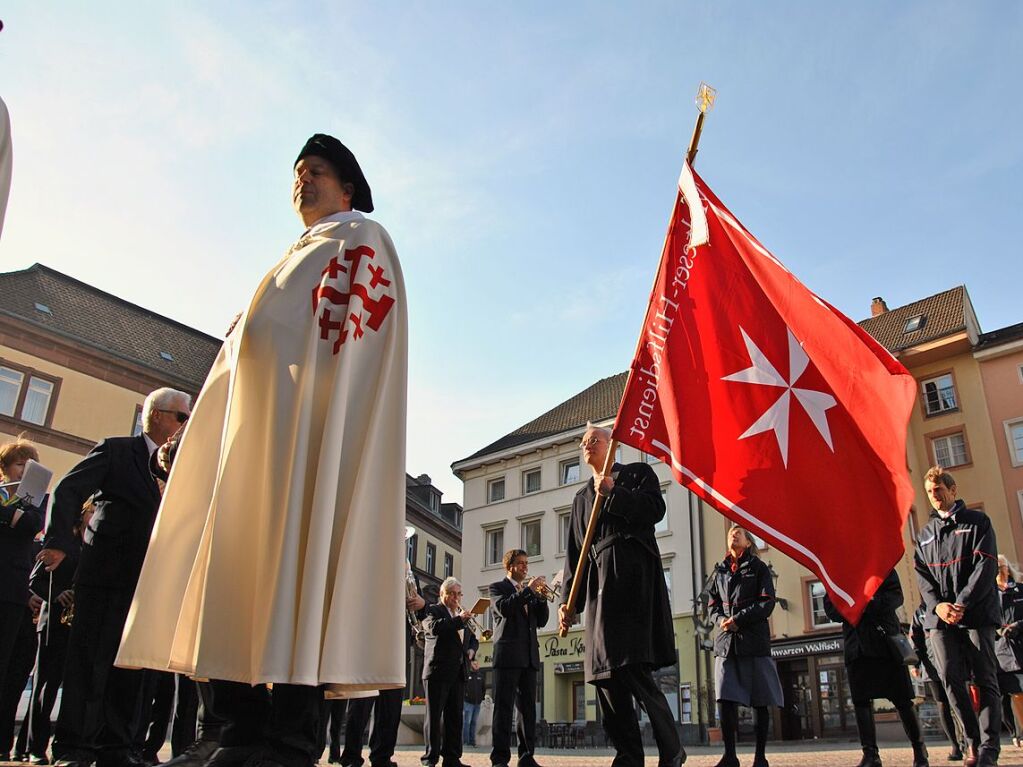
x=424 y=479
x=878 y=306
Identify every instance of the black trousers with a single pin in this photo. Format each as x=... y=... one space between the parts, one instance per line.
x=154 y=712
x=49 y=671
x=957 y=652
x=209 y=723
x=386 y=711
x=286 y=719
x=616 y=697
x=19 y=666
x=514 y=687
x=186 y=713
x=333 y=712
x=443 y=702
x=100 y=703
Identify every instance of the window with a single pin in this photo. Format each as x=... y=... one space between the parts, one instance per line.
x=486 y=620
x=531 y=481
x=136 y=424
x=650 y=458
x=410 y=549
x=818 y=618
x=564 y=520
x=449 y=565
x=26 y=395
x=434 y=501
x=666 y=568
x=1014 y=434
x=662 y=526
x=950 y=450
x=531 y=537
x=494 y=546
x=685 y=694
x=431 y=559
x=939 y=394
x=915 y=323
x=495 y=490
x=569 y=471
x=618 y=454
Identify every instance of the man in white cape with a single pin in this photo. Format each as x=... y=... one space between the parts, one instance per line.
x=283 y=516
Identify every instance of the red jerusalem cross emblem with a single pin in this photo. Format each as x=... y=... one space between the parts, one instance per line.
x=352 y=317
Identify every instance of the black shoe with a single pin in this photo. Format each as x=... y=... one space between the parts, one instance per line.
x=987 y=759
x=920 y=755
x=40 y=760
x=728 y=761
x=760 y=761
x=21 y=757
x=871 y=758
x=232 y=756
x=72 y=762
x=196 y=755
x=956 y=754
x=334 y=758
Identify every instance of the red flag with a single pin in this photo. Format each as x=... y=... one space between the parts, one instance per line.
x=770 y=404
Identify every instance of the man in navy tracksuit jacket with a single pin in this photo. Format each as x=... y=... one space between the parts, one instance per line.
x=956 y=561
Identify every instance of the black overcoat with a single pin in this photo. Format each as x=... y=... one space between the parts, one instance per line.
x=628 y=615
x=16 y=553
x=745 y=593
x=868 y=638
x=1009 y=642
x=445 y=655
x=918 y=635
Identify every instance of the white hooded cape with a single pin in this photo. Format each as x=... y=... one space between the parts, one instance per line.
x=278 y=551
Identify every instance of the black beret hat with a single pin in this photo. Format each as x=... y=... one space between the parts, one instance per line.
x=345 y=164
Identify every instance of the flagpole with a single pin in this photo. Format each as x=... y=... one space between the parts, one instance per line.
x=704 y=101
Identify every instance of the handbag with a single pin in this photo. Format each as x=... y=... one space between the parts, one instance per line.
x=902 y=649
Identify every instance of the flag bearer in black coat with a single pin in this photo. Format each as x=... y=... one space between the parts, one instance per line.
x=628 y=616
x=741 y=600
x=956 y=563
x=874 y=672
x=518 y=611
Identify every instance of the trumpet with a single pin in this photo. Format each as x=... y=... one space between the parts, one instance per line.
x=474 y=626
x=549 y=591
x=418 y=632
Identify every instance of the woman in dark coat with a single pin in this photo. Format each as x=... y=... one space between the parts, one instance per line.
x=875 y=672
x=927 y=673
x=741 y=599
x=1009 y=648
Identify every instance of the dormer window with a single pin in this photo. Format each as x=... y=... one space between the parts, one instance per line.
x=43 y=309
x=915 y=323
x=166 y=356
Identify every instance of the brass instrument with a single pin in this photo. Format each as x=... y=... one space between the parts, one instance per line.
x=67 y=615
x=549 y=591
x=481 y=633
x=418 y=632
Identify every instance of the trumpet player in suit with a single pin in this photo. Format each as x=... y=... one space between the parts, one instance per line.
x=451 y=646
x=520 y=608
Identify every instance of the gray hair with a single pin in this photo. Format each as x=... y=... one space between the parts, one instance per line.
x=162 y=399
x=605 y=432
x=449 y=583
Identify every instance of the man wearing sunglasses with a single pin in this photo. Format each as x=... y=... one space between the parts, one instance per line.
x=98 y=702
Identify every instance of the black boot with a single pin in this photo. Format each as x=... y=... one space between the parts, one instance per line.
x=868 y=736
x=916 y=739
x=729 y=733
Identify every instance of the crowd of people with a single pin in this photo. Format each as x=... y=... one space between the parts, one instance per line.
x=196 y=570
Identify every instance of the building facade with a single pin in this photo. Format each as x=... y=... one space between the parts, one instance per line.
x=969 y=418
x=76 y=363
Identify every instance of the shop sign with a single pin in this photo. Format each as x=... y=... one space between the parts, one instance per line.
x=568 y=668
x=819 y=647
x=557 y=648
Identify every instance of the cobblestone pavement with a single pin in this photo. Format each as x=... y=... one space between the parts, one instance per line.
x=807 y=754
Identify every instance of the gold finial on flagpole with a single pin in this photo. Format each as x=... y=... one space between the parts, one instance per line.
x=705 y=98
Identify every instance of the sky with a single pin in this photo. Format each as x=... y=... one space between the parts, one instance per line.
x=523 y=157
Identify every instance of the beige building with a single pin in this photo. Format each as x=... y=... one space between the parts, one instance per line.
x=76 y=362
x=969 y=417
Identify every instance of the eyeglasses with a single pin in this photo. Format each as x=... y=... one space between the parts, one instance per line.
x=591 y=442
x=181 y=417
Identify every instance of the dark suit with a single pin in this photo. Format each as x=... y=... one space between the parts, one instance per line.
x=99 y=701
x=517 y=615
x=15 y=565
x=445 y=668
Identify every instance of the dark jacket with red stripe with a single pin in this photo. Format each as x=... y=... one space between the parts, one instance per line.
x=1009 y=644
x=956 y=561
x=745 y=593
x=869 y=637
